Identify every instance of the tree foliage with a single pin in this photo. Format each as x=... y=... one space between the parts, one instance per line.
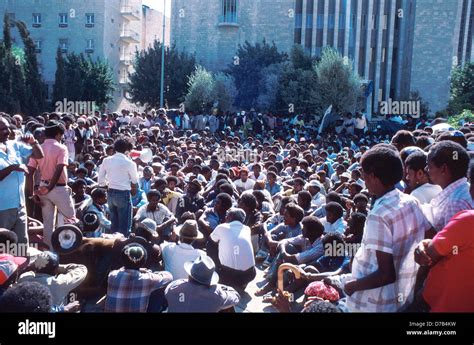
x=337 y=83
x=201 y=95
x=462 y=89
x=82 y=79
x=21 y=87
x=145 y=82
x=247 y=70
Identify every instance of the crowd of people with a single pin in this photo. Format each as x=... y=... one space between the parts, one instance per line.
x=163 y=211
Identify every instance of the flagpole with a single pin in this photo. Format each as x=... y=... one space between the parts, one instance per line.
x=162 y=87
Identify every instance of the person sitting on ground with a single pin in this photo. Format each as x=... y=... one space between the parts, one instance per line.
x=304 y=201
x=201 y=290
x=60 y=279
x=176 y=254
x=291 y=227
x=317 y=197
x=235 y=260
x=212 y=217
x=253 y=219
x=334 y=221
x=244 y=182
x=417 y=179
x=138 y=197
x=80 y=196
x=146 y=182
x=157 y=212
x=301 y=249
x=355 y=228
x=100 y=208
x=27 y=297
x=130 y=287
x=192 y=201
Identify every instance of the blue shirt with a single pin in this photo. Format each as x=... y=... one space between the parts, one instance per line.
x=139 y=199
x=275 y=189
x=13 y=186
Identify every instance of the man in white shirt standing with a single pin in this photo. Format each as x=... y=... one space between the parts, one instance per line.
x=176 y=254
x=118 y=172
x=418 y=180
x=236 y=257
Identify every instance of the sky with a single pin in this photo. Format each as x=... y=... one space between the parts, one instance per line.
x=159 y=4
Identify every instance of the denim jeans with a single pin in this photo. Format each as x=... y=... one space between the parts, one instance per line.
x=120 y=207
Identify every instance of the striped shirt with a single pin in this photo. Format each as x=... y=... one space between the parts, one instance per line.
x=129 y=290
x=394 y=226
x=452 y=200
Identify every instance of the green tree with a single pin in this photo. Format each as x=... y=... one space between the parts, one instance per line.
x=247 y=70
x=145 y=82
x=424 y=106
x=201 y=94
x=35 y=95
x=59 y=88
x=12 y=81
x=269 y=87
x=462 y=89
x=337 y=83
x=297 y=83
x=224 y=91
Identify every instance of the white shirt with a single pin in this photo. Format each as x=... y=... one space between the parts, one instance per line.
x=394 y=226
x=235 y=245
x=426 y=192
x=244 y=185
x=175 y=255
x=318 y=200
x=118 y=172
x=261 y=177
x=158 y=215
x=360 y=123
x=338 y=226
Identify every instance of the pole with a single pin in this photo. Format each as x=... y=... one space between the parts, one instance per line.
x=162 y=88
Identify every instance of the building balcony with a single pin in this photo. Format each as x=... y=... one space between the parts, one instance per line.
x=130 y=36
x=124 y=80
x=229 y=19
x=129 y=13
x=126 y=60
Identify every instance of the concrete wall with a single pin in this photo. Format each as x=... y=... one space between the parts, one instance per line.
x=435 y=45
x=196 y=29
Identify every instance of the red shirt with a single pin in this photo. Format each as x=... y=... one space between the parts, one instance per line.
x=450 y=283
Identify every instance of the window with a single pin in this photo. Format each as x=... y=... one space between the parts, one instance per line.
x=38 y=45
x=90 y=20
x=63 y=45
x=62 y=20
x=229 y=11
x=36 y=20
x=90 y=46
